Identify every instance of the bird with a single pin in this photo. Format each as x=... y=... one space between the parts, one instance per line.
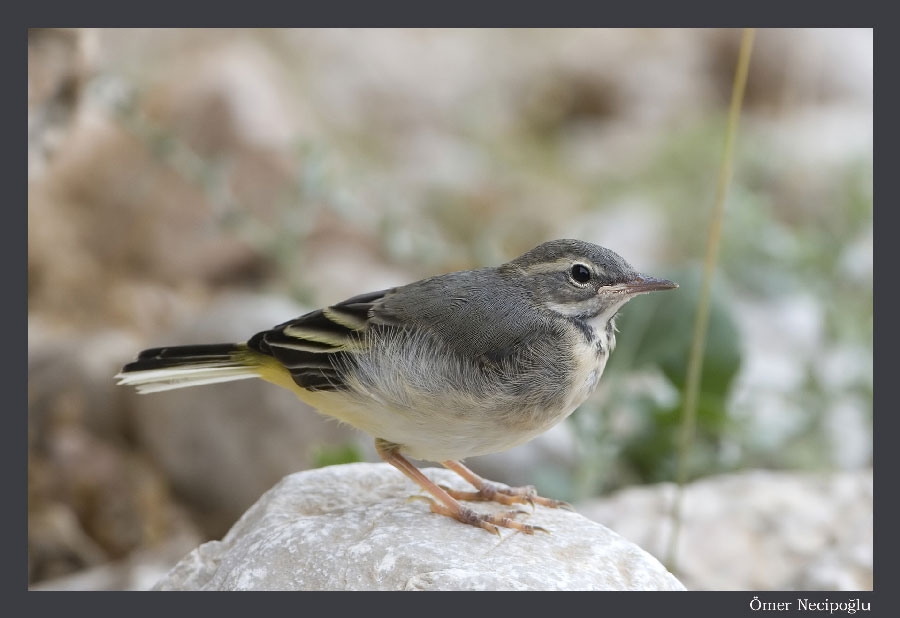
x=446 y=368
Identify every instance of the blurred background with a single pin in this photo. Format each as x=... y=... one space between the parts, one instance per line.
x=191 y=186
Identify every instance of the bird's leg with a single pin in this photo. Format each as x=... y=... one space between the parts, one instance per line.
x=445 y=504
x=497 y=492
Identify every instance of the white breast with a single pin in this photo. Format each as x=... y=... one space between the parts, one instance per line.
x=403 y=406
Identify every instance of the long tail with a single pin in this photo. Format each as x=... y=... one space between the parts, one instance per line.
x=163 y=369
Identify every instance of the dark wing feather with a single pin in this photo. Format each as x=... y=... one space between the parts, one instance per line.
x=311 y=346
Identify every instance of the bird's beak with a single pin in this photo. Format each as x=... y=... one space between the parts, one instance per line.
x=643 y=284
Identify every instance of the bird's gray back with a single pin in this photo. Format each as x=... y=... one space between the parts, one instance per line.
x=480 y=314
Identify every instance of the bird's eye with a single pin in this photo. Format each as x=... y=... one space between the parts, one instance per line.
x=581 y=273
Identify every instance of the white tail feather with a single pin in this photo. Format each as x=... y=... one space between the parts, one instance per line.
x=157 y=380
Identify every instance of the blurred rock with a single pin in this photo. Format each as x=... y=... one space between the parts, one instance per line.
x=375 y=76
x=353 y=527
x=70 y=380
x=60 y=61
x=140 y=571
x=775 y=369
x=91 y=501
x=226 y=95
x=794 y=67
x=223 y=445
x=91 y=498
x=755 y=530
x=57 y=544
x=120 y=235
x=583 y=79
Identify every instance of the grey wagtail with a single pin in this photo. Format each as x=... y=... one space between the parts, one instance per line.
x=446 y=368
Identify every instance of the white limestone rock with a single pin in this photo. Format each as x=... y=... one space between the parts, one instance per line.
x=756 y=530
x=354 y=527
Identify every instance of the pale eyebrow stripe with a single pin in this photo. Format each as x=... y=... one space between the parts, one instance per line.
x=561 y=264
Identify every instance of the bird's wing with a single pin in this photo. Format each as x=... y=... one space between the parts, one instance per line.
x=309 y=346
